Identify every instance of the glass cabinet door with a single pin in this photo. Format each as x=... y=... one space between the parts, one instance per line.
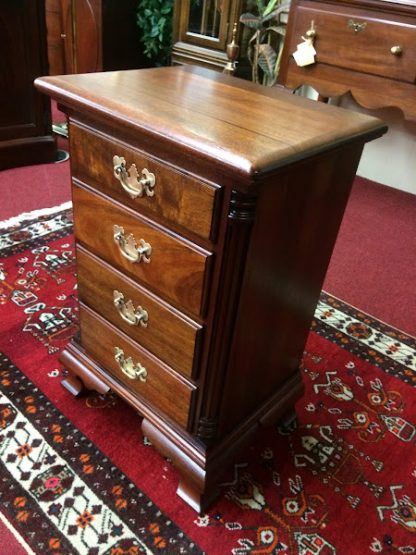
x=202 y=29
x=205 y=22
x=205 y=17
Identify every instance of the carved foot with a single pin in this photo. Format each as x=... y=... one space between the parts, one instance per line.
x=288 y=422
x=197 y=483
x=80 y=372
x=199 y=501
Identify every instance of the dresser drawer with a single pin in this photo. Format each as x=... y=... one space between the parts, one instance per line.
x=176 y=198
x=162 y=330
x=357 y=40
x=175 y=268
x=154 y=381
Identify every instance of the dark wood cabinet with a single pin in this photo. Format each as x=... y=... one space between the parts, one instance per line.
x=56 y=56
x=81 y=33
x=365 y=47
x=202 y=30
x=25 y=115
x=206 y=209
x=93 y=35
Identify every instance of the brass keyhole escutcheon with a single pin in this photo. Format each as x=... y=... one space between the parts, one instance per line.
x=356 y=27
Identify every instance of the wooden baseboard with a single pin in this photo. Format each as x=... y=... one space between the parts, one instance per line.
x=27 y=151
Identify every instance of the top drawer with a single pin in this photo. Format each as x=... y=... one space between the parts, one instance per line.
x=358 y=40
x=176 y=198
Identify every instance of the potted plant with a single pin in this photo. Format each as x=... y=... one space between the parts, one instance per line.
x=265 y=46
x=154 y=18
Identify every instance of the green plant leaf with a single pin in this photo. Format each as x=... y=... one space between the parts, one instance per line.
x=284 y=7
x=250 y=20
x=260 y=6
x=270 y=7
x=154 y=19
x=267 y=59
x=279 y=29
x=256 y=37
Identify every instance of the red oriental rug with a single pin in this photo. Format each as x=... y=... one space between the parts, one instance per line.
x=76 y=477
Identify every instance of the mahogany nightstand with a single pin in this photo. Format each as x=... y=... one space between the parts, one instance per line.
x=206 y=209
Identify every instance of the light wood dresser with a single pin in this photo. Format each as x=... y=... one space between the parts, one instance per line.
x=365 y=47
x=206 y=209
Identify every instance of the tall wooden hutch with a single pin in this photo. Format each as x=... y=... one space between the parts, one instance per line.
x=202 y=30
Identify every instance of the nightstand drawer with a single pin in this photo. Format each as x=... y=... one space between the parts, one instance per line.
x=175 y=198
x=358 y=40
x=157 y=326
x=174 y=268
x=142 y=373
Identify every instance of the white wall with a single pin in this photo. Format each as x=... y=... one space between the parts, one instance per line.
x=391 y=159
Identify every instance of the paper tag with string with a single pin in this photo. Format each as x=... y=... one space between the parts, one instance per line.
x=305 y=53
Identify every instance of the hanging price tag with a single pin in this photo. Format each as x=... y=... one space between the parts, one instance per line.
x=305 y=53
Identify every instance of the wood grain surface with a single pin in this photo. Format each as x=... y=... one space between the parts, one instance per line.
x=234 y=123
x=169 y=335
x=357 y=62
x=178 y=198
x=177 y=270
x=162 y=388
x=366 y=50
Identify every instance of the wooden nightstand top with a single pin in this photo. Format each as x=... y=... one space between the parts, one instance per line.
x=242 y=127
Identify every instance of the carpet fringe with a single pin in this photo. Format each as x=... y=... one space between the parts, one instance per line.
x=34 y=214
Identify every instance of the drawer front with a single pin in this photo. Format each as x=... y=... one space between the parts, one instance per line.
x=153 y=382
x=358 y=40
x=175 y=269
x=177 y=198
x=155 y=325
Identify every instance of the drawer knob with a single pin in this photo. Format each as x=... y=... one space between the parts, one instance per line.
x=134 y=184
x=133 y=316
x=133 y=370
x=356 y=27
x=129 y=248
x=396 y=50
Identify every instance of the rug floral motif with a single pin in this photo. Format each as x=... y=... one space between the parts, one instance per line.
x=77 y=477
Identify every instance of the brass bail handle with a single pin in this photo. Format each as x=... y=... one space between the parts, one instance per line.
x=133 y=370
x=131 y=181
x=129 y=248
x=133 y=316
x=311 y=32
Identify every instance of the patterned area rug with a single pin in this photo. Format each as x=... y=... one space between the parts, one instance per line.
x=76 y=477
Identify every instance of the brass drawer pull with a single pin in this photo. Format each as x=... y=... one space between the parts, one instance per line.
x=133 y=316
x=129 y=248
x=134 y=185
x=356 y=27
x=396 y=50
x=133 y=370
x=311 y=32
